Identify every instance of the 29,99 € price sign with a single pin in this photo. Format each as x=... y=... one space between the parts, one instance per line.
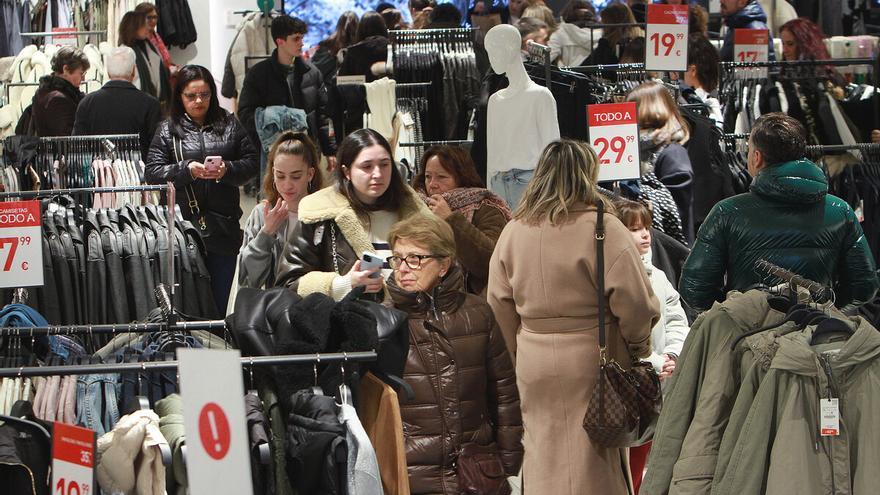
x=614 y=135
x=21 y=245
x=667 y=37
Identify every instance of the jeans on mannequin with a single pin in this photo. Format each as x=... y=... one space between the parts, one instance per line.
x=511 y=184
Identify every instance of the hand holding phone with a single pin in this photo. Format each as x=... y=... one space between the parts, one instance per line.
x=372 y=260
x=212 y=163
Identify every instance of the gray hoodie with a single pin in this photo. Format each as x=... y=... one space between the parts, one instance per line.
x=571 y=44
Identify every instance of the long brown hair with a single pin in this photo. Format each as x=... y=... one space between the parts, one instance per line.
x=454 y=160
x=129 y=25
x=657 y=111
x=619 y=13
x=292 y=144
x=348 y=152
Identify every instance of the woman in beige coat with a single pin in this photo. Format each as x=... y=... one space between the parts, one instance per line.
x=542 y=288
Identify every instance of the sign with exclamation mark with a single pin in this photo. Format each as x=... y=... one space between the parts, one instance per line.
x=212 y=391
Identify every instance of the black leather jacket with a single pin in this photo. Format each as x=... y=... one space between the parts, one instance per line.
x=218 y=201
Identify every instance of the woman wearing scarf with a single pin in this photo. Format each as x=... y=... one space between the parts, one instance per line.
x=450 y=185
x=152 y=74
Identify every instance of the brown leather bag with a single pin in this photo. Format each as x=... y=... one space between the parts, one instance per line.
x=624 y=403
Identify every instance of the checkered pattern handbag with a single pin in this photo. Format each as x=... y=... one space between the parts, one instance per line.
x=623 y=402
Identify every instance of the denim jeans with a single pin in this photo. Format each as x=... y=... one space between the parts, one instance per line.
x=511 y=184
x=97 y=407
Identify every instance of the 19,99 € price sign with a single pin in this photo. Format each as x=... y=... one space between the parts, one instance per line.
x=667 y=37
x=21 y=245
x=614 y=135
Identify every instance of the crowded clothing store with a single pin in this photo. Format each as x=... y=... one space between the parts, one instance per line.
x=308 y=248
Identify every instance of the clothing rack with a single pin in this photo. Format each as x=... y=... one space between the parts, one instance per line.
x=817 y=290
x=62 y=34
x=184 y=326
x=436 y=143
x=250 y=362
x=540 y=54
x=818 y=148
x=589 y=69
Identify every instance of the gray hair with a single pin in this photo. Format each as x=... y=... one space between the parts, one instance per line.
x=120 y=63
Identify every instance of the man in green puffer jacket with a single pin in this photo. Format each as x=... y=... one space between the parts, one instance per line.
x=787 y=218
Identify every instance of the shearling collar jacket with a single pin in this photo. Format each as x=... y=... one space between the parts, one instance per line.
x=328 y=226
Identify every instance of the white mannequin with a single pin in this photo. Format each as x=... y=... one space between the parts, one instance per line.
x=521 y=119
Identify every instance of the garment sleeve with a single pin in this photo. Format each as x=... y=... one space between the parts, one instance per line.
x=249 y=99
x=304 y=270
x=676 y=323
x=161 y=166
x=328 y=147
x=702 y=278
x=500 y=298
x=504 y=401
x=151 y=122
x=555 y=47
x=474 y=242
x=857 y=282
x=255 y=258
x=247 y=164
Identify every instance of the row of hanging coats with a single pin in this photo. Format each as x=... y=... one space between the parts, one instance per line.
x=771 y=396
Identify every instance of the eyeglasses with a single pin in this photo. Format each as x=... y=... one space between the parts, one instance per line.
x=194 y=96
x=413 y=261
x=152 y=18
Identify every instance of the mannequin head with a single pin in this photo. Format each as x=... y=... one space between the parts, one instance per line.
x=503 y=44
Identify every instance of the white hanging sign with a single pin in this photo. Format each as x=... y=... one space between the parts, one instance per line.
x=666 y=48
x=614 y=134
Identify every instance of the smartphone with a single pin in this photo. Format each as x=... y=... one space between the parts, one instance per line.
x=212 y=163
x=372 y=260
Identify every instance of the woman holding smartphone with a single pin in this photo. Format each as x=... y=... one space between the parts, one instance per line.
x=205 y=151
x=338 y=224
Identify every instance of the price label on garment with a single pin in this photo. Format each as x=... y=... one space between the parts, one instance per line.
x=21 y=245
x=73 y=460
x=750 y=45
x=667 y=37
x=614 y=135
x=830 y=417
x=212 y=392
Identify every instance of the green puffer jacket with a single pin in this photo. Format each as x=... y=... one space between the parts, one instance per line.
x=789 y=219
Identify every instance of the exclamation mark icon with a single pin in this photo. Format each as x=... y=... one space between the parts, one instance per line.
x=214 y=431
x=212 y=421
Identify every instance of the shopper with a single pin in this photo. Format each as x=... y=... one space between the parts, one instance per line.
x=532 y=29
x=328 y=56
x=367 y=57
x=291 y=175
x=420 y=11
x=444 y=16
x=803 y=40
x=743 y=14
x=455 y=193
x=542 y=289
x=153 y=76
x=208 y=197
x=573 y=41
x=543 y=13
x=613 y=39
x=286 y=79
x=787 y=218
x=663 y=132
x=53 y=110
x=149 y=10
x=119 y=107
x=701 y=77
x=339 y=223
x=670 y=332
x=458 y=364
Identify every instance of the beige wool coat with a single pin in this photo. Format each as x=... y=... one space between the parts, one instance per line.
x=542 y=288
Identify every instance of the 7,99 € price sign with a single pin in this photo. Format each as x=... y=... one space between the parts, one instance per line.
x=614 y=135
x=750 y=45
x=21 y=244
x=667 y=37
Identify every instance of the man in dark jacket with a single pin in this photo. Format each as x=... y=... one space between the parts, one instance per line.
x=743 y=14
x=787 y=218
x=287 y=79
x=119 y=107
x=54 y=105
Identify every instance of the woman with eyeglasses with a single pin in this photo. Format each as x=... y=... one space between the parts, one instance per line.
x=458 y=364
x=207 y=190
x=153 y=76
x=149 y=10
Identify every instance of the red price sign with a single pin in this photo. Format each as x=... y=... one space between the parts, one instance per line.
x=750 y=45
x=667 y=37
x=21 y=246
x=73 y=460
x=614 y=135
x=62 y=39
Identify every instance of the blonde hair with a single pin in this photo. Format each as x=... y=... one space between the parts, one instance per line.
x=293 y=144
x=565 y=176
x=427 y=230
x=542 y=12
x=657 y=111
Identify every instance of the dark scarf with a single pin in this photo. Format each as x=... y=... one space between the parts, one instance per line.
x=467 y=200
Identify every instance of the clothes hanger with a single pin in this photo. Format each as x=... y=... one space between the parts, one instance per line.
x=344 y=391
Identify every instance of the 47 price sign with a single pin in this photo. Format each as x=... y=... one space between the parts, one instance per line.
x=667 y=37
x=21 y=246
x=615 y=137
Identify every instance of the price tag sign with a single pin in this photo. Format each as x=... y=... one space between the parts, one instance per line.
x=750 y=45
x=614 y=135
x=212 y=391
x=21 y=245
x=830 y=420
x=667 y=37
x=62 y=39
x=73 y=460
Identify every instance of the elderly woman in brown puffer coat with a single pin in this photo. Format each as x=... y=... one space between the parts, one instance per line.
x=458 y=364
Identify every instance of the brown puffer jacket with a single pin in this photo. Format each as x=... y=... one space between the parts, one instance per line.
x=464 y=357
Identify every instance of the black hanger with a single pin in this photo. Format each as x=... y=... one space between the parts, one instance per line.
x=830 y=326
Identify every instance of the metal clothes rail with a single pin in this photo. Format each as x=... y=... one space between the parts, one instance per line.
x=184 y=326
x=817 y=290
x=541 y=54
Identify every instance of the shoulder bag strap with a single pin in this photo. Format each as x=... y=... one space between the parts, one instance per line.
x=177 y=146
x=600 y=274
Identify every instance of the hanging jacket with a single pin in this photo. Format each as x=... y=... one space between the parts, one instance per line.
x=54 y=106
x=570 y=44
x=787 y=218
x=252 y=39
x=751 y=16
x=220 y=198
x=360 y=57
x=668 y=335
x=316 y=447
x=781 y=434
x=464 y=380
x=176 y=26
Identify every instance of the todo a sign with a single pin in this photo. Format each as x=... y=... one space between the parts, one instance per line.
x=750 y=45
x=21 y=245
x=73 y=460
x=667 y=37
x=614 y=135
